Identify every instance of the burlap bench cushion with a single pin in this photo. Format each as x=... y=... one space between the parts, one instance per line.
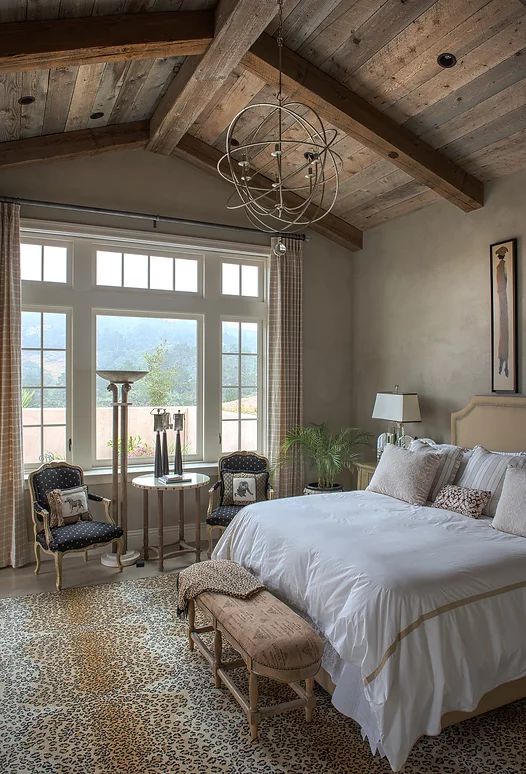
x=273 y=635
x=272 y=640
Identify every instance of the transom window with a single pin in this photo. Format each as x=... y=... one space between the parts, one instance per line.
x=44 y=262
x=153 y=272
x=240 y=279
x=202 y=341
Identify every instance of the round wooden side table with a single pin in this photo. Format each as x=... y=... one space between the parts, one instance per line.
x=149 y=483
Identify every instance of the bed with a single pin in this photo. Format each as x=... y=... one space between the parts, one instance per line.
x=419 y=607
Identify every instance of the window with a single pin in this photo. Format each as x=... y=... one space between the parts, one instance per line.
x=240 y=279
x=140 y=301
x=240 y=409
x=167 y=347
x=153 y=272
x=44 y=262
x=44 y=385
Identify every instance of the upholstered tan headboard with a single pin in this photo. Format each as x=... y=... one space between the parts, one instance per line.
x=497 y=422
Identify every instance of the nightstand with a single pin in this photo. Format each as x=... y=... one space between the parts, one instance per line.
x=364 y=473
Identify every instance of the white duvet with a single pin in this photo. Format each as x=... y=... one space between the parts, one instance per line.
x=425 y=608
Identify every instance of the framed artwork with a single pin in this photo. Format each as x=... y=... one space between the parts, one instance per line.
x=504 y=367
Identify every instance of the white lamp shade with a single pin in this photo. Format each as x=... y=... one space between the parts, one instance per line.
x=397 y=407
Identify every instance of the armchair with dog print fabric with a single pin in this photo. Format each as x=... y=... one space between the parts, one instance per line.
x=69 y=538
x=219 y=514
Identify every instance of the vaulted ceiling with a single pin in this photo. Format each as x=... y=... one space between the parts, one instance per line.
x=169 y=75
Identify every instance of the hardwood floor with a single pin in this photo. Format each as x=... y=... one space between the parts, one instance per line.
x=23 y=581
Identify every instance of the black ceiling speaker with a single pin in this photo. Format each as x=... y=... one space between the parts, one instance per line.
x=446 y=60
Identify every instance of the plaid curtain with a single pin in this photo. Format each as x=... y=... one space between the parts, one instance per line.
x=285 y=364
x=13 y=535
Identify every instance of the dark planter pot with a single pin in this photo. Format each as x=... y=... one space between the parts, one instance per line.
x=312 y=489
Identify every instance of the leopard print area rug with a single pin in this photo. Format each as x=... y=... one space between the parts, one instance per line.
x=99 y=680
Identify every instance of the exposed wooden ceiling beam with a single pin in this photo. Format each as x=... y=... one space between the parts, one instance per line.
x=71 y=145
x=89 y=142
x=238 y=23
x=354 y=116
x=33 y=45
x=206 y=156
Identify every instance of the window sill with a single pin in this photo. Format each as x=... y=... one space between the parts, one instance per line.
x=104 y=475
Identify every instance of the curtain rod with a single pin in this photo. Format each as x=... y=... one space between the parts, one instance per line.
x=139 y=216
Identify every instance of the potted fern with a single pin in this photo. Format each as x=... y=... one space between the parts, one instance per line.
x=331 y=453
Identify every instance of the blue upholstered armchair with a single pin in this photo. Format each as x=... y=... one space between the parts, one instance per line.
x=69 y=538
x=219 y=514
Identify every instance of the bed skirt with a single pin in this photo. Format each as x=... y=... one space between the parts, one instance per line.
x=498 y=697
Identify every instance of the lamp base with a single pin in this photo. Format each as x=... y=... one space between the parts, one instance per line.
x=127 y=559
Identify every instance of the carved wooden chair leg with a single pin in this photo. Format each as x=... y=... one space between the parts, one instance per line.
x=253 y=703
x=120 y=546
x=86 y=556
x=218 y=652
x=57 y=556
x=191 y=623
x=210 y=531
x=311 y=699
x=37 y=557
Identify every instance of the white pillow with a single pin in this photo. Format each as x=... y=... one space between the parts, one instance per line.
x=510 y=515
x=486 y=470
x=404 y=474
x=450 y=459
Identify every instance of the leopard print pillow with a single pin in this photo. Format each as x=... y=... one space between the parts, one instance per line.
x=242 y=488
x=468 y=502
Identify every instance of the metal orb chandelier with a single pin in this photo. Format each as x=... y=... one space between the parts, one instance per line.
x=285 y=172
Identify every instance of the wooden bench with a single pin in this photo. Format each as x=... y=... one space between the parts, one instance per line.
x=271 y=640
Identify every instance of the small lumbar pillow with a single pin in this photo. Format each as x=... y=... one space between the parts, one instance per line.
x=486 y=470
x=468 y=502
x=242 y=488
x=511 y=508
x=404 y=474
x=67 y=506
x=450 y=459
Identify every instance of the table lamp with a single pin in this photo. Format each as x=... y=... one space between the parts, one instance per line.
x=400 y=408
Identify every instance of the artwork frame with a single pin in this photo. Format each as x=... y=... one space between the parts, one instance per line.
x=504 y=327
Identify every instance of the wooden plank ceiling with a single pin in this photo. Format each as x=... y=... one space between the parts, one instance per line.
x=383 y=51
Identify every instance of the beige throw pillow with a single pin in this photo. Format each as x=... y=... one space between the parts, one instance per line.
x=242 y=488
x=510 y=515
x=450 y=459
x=67 y=506
x=404 y=474
x=486 y=470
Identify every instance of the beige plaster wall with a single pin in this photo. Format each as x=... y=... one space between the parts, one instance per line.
x=421 y=306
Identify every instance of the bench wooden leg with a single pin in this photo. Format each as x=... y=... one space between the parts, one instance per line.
x=311 y=700
x=253 y=703
x=218 y=652
x=191 y=623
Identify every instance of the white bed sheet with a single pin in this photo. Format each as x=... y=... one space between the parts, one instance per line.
x=364 y=567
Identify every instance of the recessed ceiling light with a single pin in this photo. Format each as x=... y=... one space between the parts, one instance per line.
x=27 y=100
x=446 y=60
x=96 y=115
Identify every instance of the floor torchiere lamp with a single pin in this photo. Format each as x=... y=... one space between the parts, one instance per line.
x=119 y=500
